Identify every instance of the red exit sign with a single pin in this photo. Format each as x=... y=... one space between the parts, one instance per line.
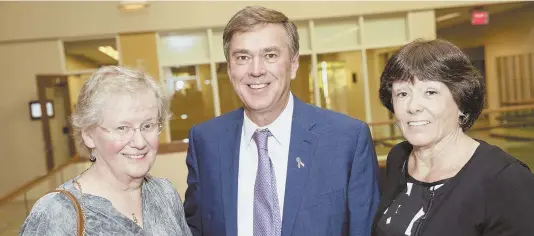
x=479 y=18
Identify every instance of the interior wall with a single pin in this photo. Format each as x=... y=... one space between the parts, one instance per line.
x=139 y=51
x=75 y=86
x=421 y=25
x=75 y=82
x=172 y=166
x=21 y=140
x=507 y=33
x=78 y=64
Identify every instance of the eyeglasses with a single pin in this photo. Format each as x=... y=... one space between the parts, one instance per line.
x=123 y=133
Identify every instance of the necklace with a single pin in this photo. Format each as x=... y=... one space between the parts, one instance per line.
x=134 y=218
x=83 y=204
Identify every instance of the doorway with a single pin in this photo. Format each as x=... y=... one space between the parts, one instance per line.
x=59 y=144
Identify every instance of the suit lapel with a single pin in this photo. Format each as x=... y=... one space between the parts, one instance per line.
x=302 y=146
x=229 y=143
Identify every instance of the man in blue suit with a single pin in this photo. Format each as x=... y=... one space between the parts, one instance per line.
x=277 y=166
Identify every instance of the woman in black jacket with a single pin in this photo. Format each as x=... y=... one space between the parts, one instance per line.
x=441 y=181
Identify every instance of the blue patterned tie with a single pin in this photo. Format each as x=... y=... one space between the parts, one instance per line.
x=267 y=220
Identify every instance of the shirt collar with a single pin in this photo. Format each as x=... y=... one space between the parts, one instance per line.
x=280 y=128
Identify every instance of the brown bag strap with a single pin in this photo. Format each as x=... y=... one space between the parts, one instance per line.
x=79 y=211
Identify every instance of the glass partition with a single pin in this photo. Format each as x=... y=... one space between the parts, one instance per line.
x=376 y=61
x=340 y=83
x=192 y=102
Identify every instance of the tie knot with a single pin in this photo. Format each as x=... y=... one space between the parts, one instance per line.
x=260 y=137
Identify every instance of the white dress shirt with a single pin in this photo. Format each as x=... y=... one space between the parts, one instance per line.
x=278 y=145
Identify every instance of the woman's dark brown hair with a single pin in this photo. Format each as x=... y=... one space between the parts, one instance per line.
x=436 y=60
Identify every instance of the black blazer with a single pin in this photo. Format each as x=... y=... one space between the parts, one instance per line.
x=493 y=194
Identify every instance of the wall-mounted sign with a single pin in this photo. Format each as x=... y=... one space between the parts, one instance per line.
x=35 y=109
x=479 y=17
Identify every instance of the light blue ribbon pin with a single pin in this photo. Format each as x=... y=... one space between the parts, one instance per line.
x=299 y=163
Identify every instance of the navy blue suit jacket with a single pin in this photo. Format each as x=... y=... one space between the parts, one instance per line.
x=335 y=193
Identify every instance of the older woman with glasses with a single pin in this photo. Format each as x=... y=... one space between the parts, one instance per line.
x=117 y=123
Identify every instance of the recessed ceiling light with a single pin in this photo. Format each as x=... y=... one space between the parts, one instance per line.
x=110 y=51
x=448 y=16
x=133 y=5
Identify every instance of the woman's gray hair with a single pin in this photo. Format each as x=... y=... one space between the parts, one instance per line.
x=104 y=83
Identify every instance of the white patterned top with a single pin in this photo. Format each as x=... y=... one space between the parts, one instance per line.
x=408 y=211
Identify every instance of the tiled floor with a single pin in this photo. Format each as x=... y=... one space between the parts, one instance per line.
x=12 y=215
